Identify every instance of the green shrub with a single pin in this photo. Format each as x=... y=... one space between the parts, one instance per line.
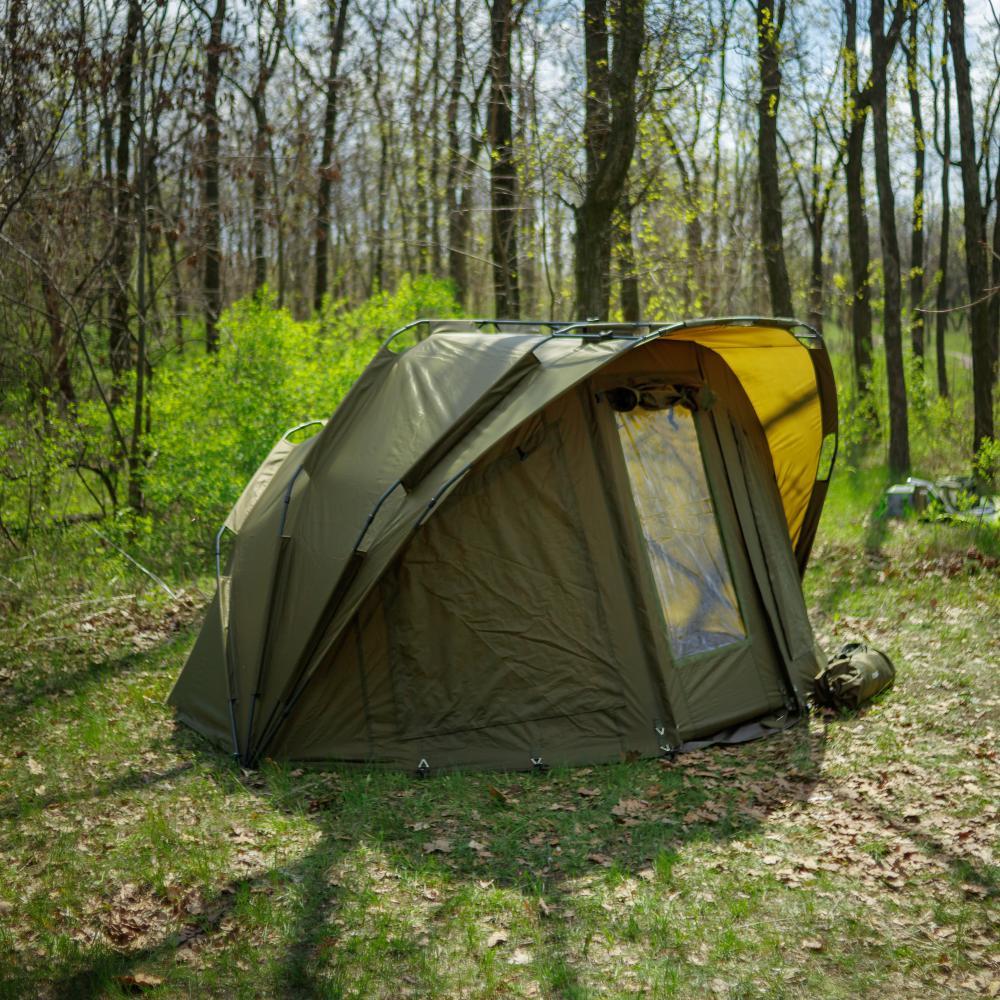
x=216 y=417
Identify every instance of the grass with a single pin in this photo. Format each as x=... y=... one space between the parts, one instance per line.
x=853 y=857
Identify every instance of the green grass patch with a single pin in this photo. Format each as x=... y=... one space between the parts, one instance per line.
x=855 y=856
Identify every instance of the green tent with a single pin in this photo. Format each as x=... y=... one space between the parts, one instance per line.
x=516 y=545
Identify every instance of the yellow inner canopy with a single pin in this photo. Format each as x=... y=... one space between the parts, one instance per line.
x=778 y=377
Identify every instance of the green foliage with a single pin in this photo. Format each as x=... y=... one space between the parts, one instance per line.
x=216 y=417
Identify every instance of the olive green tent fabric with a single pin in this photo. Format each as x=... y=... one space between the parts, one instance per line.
x=456 y=571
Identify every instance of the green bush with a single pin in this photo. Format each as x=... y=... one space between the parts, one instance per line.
x=216 y=417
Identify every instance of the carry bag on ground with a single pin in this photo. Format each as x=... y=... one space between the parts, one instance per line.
x=855 y=675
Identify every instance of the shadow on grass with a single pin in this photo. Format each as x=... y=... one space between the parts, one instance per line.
x=542 y=838
x=57 y=684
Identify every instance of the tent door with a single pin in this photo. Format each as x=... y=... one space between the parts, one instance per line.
x=720 y=665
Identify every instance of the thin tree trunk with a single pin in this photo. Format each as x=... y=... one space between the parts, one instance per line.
x=259 y=188
x=456 y=252
x=136 y=457
x=917 y=225
x=503 y=169
x=119 y=349
x=975 y=234
x=212 y=277
x=58 y=354
x=434 y=179
x=628 y=275
x=328 y=170
x=815 y=225
x=857 y=215
x=941 y=300
x=769 y=25
x=417 y=141
x=892 y=327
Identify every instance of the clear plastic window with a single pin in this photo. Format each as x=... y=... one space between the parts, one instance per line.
x=678 y=520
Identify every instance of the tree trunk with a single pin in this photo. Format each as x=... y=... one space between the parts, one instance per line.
x=769 y=25
x=456 y=252
x=260 y=169
x=975 y=234
x=503 y=169
x=609 y=140
x=119 y=348
x=628 y=275
x=136 y=456
x=816 y=224
x=328 y=170
x=892 y=328
x=941 y=300
x=857 y=216
x=917 y=225
x=58 y=353
x=212 y=277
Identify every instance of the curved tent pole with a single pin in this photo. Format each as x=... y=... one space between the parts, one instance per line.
x=222 y=625
x=299 y=427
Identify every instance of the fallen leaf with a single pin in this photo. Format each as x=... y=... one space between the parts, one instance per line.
x=521 y=956
x=588 y=793
x=139 y=981
x=496 y=938
x=545 y=908
x=439 y=846
x=499 y=796
x=812 y=944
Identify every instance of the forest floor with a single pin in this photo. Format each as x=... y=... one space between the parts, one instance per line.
x=853 y=857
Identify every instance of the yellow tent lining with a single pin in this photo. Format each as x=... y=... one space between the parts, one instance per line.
x=778 y=377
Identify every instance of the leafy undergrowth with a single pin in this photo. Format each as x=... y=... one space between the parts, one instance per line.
x=855 y=856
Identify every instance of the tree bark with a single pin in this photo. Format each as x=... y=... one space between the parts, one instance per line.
x=456 y=251
x=941 y=299
x=119 y=349
x=628 y=274
x=917 y=224
x=769 y=25
x=328 y=170
x=503 y=169
x=609 y=140
x=212 y=276
x=857 y=215
x=892 y=328
x=975 y=234
x=268 y=54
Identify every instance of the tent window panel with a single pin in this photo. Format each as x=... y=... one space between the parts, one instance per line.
x=679 y=524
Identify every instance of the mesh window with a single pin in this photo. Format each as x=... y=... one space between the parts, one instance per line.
x=675 y=508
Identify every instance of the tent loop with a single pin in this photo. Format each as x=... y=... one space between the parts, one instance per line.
x=537 y=764
x=218 y=552
x=665 y=748
x=300 y=427
x=423 y=768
